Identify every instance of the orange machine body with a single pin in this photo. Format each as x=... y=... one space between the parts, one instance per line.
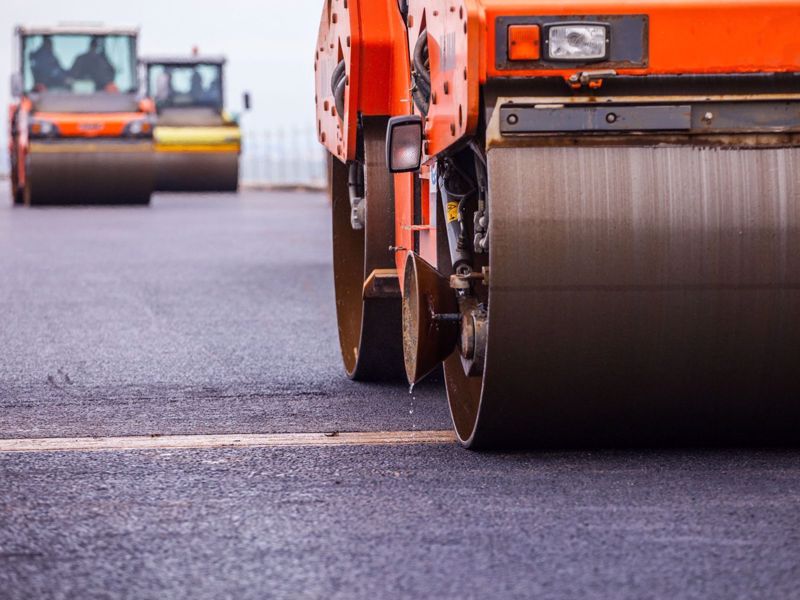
x=467 y=53
x=681 y=37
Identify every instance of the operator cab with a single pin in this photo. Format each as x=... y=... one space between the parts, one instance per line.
x=186 y=89
x=71 y=69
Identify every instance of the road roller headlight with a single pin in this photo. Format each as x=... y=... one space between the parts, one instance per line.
x=577 y=42
x=139 y=128
x=39 y=128
x=404 y=144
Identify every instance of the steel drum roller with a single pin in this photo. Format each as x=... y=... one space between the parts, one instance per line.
x=197 y=171
x=196 y=158
x=369 y=326
x=638 y=296
x=82 y=173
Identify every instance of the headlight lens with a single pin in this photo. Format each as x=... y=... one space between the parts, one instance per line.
x=577 y=42
x=139 y=128
x=39 y=128
x=404 y=143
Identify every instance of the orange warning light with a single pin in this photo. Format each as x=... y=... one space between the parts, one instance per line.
x=523 y=42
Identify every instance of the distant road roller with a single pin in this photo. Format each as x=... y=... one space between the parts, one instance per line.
x=79 y=134
x=197 y=143
x=589 y=212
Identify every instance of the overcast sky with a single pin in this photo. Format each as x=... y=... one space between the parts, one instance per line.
x=269 y=44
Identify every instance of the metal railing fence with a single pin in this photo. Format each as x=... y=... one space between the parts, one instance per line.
x=282 y=157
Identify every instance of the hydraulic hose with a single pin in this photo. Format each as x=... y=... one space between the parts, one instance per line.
x=338 y=85
x=421 y=74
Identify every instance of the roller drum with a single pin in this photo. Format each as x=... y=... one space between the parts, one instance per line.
x=197 y=171
x=84 y=173
x=638 y=296
x=369 y=326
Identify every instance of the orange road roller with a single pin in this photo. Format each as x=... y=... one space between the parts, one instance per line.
x=197 y=142
x=588 y=212
x=79 y=132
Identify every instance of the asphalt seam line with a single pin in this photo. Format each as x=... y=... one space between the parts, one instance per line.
x=199 y=442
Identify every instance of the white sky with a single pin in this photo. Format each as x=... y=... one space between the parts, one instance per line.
x=269 y=45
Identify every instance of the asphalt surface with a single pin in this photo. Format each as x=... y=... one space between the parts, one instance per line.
x=199 y=314
x=215 y=315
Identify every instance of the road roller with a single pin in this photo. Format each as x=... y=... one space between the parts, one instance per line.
x=79 y=133
x=197 y=143
x=587 y=212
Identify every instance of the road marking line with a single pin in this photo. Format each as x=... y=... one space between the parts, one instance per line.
x=192 y=442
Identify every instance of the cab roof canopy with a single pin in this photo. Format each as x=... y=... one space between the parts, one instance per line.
x=77 y=29
x=183 y=60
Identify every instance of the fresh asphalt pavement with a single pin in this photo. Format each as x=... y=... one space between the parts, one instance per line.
x=214 y=315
